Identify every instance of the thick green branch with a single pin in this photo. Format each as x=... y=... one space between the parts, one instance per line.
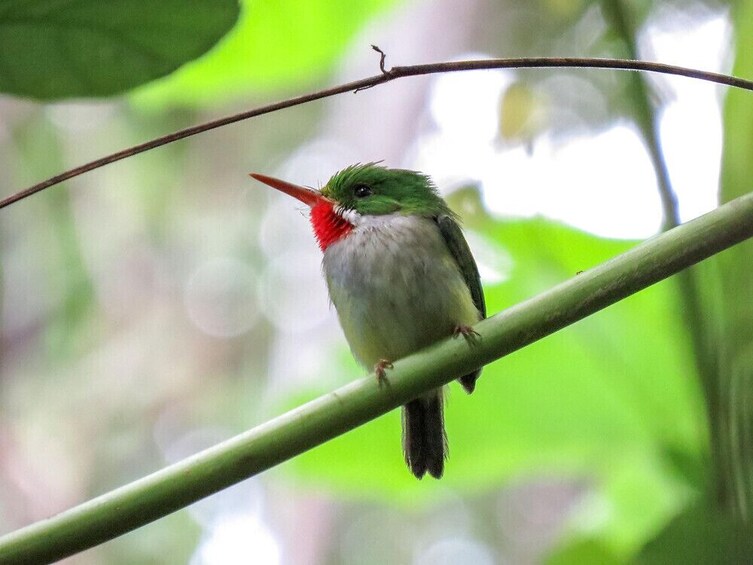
x=263 y=447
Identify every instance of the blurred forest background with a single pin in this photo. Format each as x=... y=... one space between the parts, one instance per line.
x=164 y=303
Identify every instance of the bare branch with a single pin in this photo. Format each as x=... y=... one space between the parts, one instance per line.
x=383 y=77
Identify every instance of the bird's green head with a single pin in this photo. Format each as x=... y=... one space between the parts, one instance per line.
x=361 y=191
x=371 y=189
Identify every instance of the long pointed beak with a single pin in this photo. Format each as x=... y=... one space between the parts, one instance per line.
x=306 y=195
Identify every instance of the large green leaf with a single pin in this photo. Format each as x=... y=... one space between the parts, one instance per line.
x=277 y=43
x=52 y=49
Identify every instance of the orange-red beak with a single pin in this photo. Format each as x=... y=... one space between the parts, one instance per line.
x=306 y=195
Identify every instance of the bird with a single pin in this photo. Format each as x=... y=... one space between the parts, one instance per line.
x=401 y=276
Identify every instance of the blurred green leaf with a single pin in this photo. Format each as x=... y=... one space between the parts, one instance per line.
x=275 y=45
x=700 y=535
x=522 y=113
x=584 y=552
x=51 y=49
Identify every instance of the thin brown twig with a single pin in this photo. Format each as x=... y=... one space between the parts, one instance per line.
x=387 y=76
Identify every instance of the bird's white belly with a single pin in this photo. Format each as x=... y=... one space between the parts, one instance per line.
x=396 y=287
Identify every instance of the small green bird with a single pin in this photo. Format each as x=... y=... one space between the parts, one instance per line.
x=401 y=277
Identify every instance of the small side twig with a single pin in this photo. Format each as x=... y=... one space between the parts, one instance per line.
x=385 y=72
x=382 y=58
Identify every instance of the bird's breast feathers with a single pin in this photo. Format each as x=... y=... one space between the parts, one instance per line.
x=396 y=286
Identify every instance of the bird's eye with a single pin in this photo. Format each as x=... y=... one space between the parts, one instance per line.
x=361 y=191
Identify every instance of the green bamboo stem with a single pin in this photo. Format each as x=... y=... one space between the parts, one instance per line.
x=733 y=345
x=174 y=487
x=689 y=297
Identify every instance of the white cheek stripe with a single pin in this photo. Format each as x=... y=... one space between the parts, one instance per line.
x=349 y=215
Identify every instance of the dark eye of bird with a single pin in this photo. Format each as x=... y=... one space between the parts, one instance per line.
x=361 y=191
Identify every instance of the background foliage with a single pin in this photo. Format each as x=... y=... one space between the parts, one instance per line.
x=164 y=303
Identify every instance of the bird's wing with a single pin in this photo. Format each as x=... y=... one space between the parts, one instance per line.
x=458 y=246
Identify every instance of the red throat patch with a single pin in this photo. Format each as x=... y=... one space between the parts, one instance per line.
x=329 y=226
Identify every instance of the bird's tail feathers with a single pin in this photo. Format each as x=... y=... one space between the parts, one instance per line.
x=424 y=438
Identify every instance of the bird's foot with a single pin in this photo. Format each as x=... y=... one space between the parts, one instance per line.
x=469 y=334
x=381 y=371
